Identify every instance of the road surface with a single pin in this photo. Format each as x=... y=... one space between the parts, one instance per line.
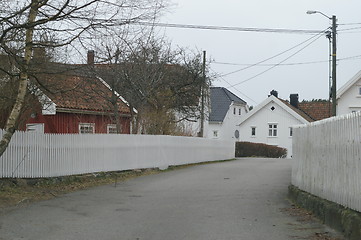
x=243 y=199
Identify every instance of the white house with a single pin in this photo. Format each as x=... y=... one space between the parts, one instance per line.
x=271 y=122
x=223 y=111
x=349 y=96
x=226 y=110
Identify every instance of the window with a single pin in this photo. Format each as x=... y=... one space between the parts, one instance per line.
x=291 y=132
x=112 y=129
x=35 y=127
x=215 y=133
x=272 y=130
x=236 y=134
x=253 y=131
x=234 y=111
x=239 y=111
x=359 y=91
x=86 y=128
x=355 y=109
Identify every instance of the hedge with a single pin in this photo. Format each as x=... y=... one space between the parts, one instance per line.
x=248 y=149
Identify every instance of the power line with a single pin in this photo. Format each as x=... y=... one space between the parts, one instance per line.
x=226 y=28
x=256 y=64
x=350 y=32
x=286 y=64
x=270 y=64
x=261 y=73
x=230 y=85
x=349 y=58
x=348 y=29
x=345 y=24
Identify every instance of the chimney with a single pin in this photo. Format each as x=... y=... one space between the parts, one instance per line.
x=90 y=56
x=294 y=100
x=274 y=93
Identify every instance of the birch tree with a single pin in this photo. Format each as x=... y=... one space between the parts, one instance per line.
x=72 y=25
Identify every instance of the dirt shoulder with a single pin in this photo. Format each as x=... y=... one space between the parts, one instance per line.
x=15 y=192
x=307 y=219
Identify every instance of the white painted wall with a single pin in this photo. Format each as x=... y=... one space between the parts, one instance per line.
x=261 y=119
x=226 y=129
x=350 y=100
x=326 y=159
x=34 y=155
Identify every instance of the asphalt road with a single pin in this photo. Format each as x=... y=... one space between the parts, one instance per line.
x=243 y=199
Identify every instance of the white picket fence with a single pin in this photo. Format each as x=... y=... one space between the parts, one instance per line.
x=32 y=155
x=327 y=159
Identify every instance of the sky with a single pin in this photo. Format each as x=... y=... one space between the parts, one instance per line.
x=229 y=51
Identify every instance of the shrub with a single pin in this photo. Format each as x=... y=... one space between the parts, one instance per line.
x=248 y=149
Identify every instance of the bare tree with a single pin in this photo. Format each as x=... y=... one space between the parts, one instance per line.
x=158 y=81
x=70 y=24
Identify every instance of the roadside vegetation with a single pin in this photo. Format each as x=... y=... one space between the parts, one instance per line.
x=16 y=192
x=249 y=149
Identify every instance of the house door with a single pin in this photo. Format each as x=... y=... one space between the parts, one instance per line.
x=35 y=127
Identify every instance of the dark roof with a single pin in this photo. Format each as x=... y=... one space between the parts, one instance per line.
x=221 y=99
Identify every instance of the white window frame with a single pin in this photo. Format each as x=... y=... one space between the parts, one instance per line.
x=35 y=127
x=236 y=132
x=359 y=91
x=234 y=110
x=272 y=129
x=240 y=111
x=112 y=129
x=87 y=125
x=291 y=132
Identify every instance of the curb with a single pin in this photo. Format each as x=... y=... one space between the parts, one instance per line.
x=344 y=220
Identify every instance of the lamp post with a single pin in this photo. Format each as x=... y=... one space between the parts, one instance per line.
x=334 y=59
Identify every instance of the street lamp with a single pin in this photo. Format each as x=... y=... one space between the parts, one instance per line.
x=334 y=48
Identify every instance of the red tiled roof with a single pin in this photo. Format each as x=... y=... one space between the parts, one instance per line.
x=316 y=110
x=79 y=90
x=312 y=110
x=300 y=112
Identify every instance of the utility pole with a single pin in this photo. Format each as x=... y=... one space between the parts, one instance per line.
x=201 y=134
x=334 y=59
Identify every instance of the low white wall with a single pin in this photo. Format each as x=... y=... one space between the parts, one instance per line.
x=32 y=155
x=327 y=159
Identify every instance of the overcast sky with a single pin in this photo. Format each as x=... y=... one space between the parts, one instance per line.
x=310 y=81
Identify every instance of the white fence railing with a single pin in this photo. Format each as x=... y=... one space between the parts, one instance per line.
x=327 y=159
x=32 y=155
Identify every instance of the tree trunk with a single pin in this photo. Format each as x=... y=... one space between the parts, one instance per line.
x=133 y=120
x=23 y=81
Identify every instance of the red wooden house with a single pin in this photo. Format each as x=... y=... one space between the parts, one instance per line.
x=77 y=101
